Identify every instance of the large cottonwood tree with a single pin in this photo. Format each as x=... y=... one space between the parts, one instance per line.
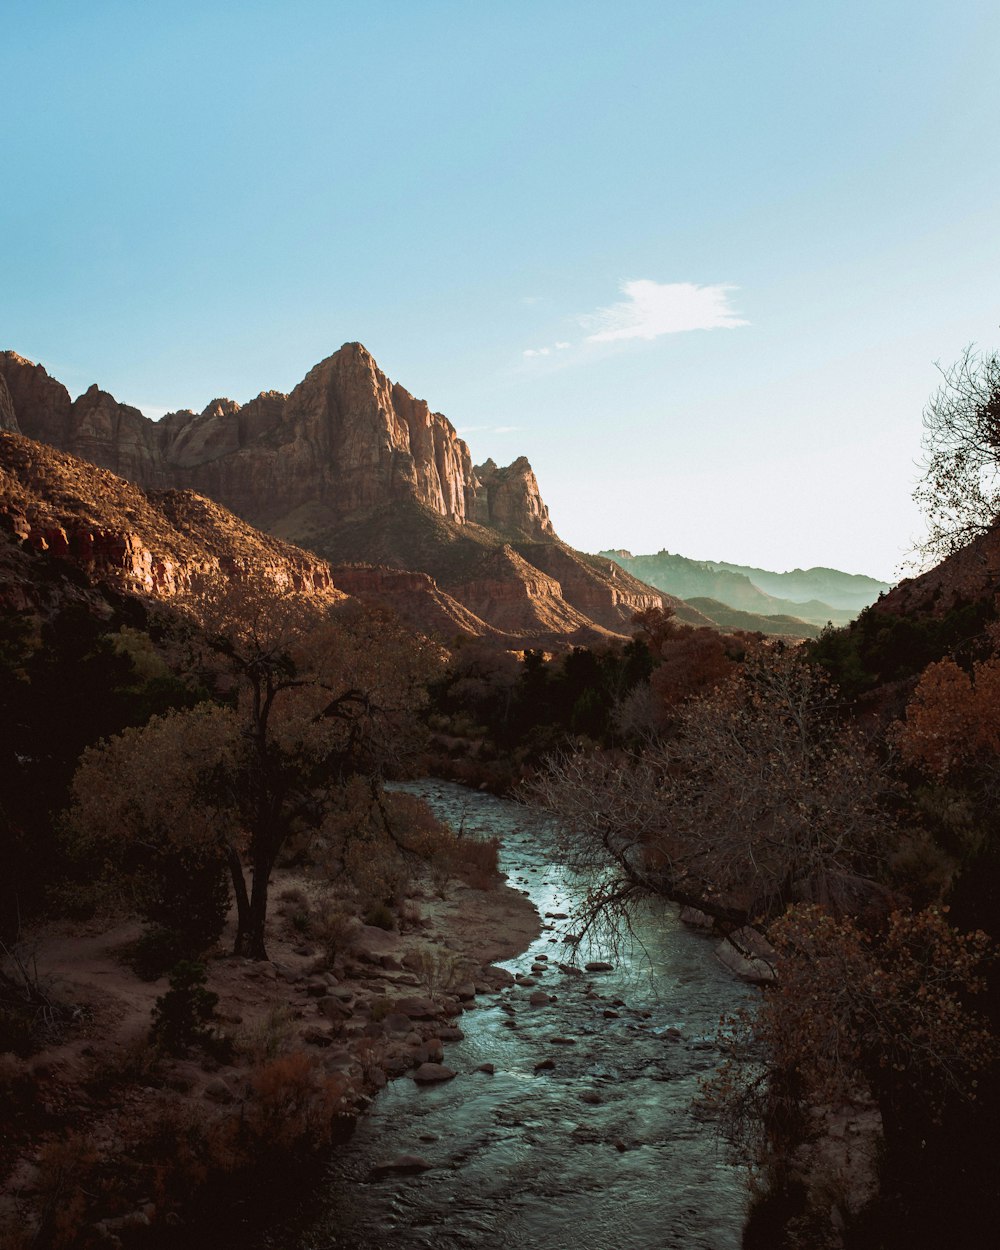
x=313 y=697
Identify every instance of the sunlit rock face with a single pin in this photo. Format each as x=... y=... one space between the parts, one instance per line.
x=356 y=469
x=346 y=440
x=157 y=544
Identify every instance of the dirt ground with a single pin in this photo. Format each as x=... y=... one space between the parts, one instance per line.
x=385 y=1002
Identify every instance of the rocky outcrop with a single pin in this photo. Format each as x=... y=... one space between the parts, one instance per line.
x=8 y=421
x=355 y=468
x=518 y=598
x=969 y=576
x=416 y=597
x=509 y=500
x=159 y=544
x=598 y=588
x=346 y=438
x=42 y=403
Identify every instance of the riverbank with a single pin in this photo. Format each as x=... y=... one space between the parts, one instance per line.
x=106 y=1140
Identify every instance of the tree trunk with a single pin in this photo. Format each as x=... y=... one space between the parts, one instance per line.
x=251 y=909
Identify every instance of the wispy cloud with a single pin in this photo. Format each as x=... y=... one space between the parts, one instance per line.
x=654 y=308
x=651 y=309
x=546 y=351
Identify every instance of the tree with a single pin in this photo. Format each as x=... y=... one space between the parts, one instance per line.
x=960 y=489
x=762 y=799
x=885 y=1007
x=314 y=697
x=953 y=718
x=884 y=1013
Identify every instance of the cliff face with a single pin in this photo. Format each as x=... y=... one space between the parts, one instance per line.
x=346 y=439
x=353 y=467
x=159 y=545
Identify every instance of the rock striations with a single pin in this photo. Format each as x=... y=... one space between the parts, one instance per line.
x=159 y=545
x=346 y=441
x=354 y=468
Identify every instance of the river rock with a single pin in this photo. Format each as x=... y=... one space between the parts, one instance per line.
x=218 y=1091
x=429 y=1073
x=313 y=1035
x=545 y=1065
x=488 y=1068
x=696 y=919
x=430 y=1051
x=538 y=999
x=747 y=953
x=396 y=1022
x=396 y=1062
x=598 y=965
x=418 y=1008
x=401 y=1165
x=497 y=978
x=333 y=1009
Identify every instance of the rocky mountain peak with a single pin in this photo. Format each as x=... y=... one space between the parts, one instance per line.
x=8 y=419
x=346 y=441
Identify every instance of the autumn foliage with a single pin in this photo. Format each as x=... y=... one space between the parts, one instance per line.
x=953 y=718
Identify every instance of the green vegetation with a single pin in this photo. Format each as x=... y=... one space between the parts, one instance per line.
x=181 y=1016
x=882 y=647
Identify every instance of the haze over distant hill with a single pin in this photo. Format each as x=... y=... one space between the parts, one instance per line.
x=815 y=596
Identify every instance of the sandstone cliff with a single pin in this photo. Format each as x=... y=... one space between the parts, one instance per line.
x=346 y=440
x=158 y=545
x=353 y=467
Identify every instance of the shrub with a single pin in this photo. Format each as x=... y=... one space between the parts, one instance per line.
x=381 y=917
x=294 y=1102
x=185 y=897
x=265 y=1038
x=180 y=1015
x=334 y=931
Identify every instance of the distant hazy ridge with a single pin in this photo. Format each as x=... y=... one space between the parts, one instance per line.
x=814 y=596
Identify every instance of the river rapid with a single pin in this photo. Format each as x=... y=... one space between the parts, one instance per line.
x=603 y=1150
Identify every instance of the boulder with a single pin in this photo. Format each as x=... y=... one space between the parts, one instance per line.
x=431 y=1073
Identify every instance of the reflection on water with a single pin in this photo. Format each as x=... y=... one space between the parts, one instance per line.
x=602 y=1150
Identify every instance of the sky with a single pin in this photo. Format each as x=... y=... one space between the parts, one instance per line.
x=696 y=260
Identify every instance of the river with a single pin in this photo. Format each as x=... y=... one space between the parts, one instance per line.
x=601 y=1151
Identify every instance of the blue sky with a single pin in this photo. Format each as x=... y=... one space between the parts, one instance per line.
x=695 y=260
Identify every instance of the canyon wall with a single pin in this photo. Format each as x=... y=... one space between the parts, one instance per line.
x=346 y=438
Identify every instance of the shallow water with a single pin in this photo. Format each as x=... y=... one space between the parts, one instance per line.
x=601 y=1151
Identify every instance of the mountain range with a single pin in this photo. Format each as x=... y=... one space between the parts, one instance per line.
x=349 y=467
x=777 y=602
x=351 y=482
